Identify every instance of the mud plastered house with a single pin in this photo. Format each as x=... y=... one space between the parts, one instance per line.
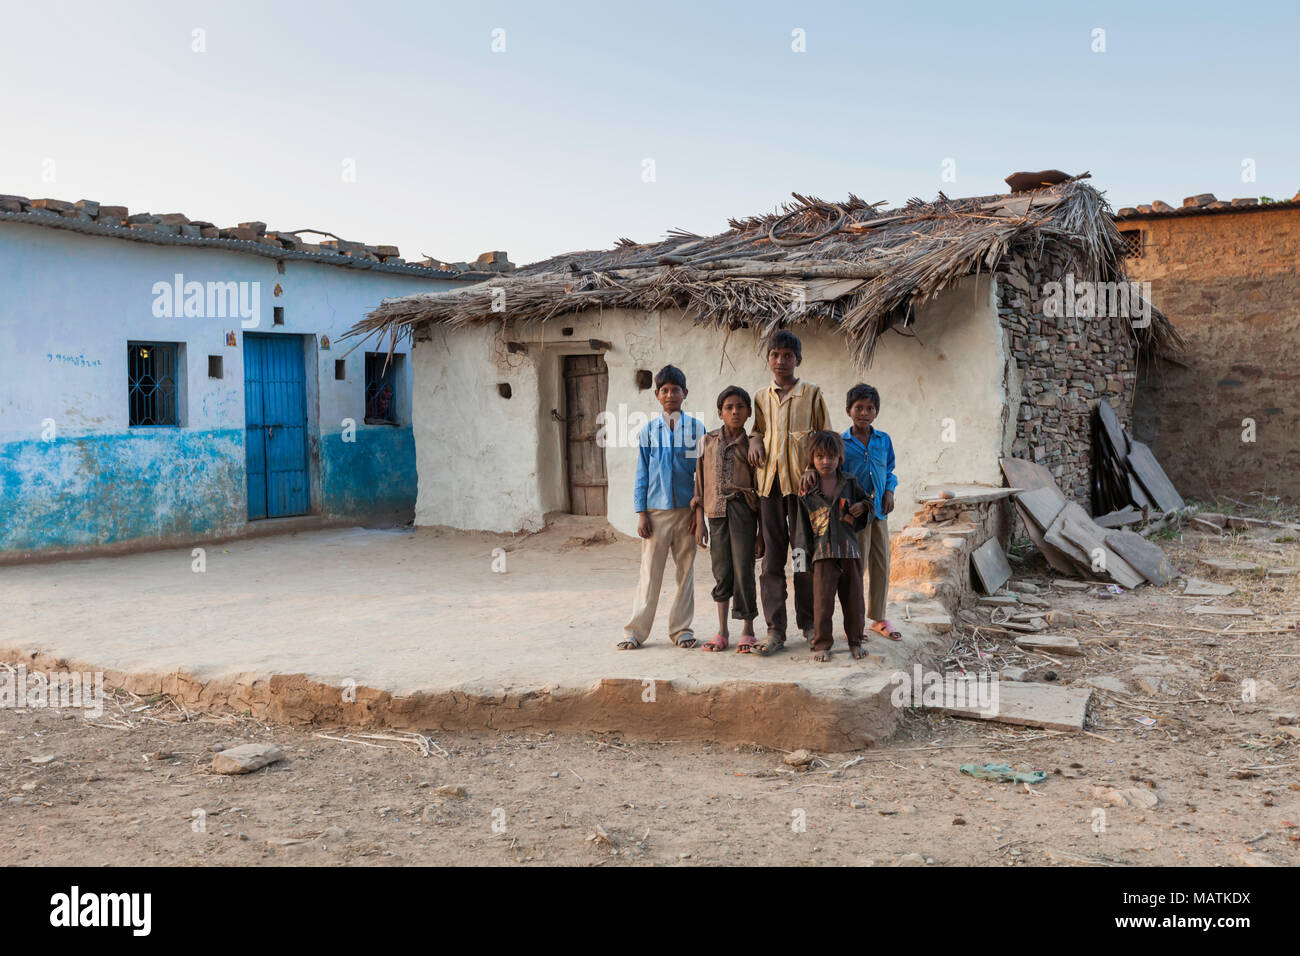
x=529 y=388
x=164 y=380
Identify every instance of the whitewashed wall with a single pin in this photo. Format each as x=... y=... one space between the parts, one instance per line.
x=496 y=464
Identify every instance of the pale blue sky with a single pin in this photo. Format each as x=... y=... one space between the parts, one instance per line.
x=539 y=150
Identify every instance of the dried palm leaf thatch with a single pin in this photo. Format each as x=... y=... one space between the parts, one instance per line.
x=742 y=277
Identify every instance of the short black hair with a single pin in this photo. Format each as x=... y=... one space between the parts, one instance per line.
x=826 y=441
x=670 y=375
x=734 y=390
x=860 y=391
x=785 y=339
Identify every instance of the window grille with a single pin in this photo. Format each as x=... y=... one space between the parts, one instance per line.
x=152 y=383
x=381 y=387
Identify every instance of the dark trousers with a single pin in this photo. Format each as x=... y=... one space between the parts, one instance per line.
x=731 y=551
x=842 y=576
x=779 y=516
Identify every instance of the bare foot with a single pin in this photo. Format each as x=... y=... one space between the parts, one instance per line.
x=858 y=651
x=821 y=656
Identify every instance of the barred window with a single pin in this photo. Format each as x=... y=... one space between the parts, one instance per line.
x=1130 y=246
x=151 y=370
x=381 y=387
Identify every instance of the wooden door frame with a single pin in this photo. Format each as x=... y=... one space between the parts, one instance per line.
x=563 y=404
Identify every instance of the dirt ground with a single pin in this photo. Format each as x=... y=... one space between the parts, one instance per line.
x=132 y=788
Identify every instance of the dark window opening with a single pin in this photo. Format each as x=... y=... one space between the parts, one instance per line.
x=1130 y=244
x=340 y=369
x=644 y=378
x=567 y=330
x=151 y=381
x=214 y=366
x=277 y=315
x=504 y=390
x=381 y=387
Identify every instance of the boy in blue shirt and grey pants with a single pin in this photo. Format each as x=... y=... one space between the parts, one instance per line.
x=665 y=485
x=869 y=457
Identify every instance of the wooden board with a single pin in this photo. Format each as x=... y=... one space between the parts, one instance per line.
x=1147 y=558
x=1049 y=706
x=963 y=494
x=1153 y=478
x=990 y=564
x=1228 y=611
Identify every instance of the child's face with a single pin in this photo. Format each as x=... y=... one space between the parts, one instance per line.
x=670 y=397
x=734 y=412
x=826 y=462
x=782 y=362
x=863 y=413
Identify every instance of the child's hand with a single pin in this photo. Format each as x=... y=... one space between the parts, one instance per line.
x=756 y=453
x=643 y=525
x=807 y=480
x=887 y=502
x=702 y=534
x=857 y=509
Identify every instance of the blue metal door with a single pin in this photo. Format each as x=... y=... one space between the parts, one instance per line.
x=275 y=441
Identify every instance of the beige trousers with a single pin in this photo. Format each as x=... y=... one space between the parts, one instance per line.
x=670 y=532
x=873 y=542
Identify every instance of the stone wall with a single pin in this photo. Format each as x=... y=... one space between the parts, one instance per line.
x=1228 y=282
x=1060 y=367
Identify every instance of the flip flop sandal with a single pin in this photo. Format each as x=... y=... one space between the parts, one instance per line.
x=885 y=628
x=747 y=644
x=770 y=645
x=686 y=643
x=716 y=643
x=627 y=644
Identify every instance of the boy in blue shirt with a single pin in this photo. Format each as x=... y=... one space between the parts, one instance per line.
x=869 y=457
x=665 y=485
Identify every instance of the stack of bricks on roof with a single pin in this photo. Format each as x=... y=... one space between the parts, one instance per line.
x=1201 y=202
x=181 y=225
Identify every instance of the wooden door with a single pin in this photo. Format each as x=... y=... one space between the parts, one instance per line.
x=275 y=409
x=586 y=386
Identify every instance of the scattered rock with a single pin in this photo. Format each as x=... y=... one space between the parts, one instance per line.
x=455 y=791
x=910 y=859
x=44 y=759
x=246 y=758
x=800 y=758
x=1104 y=682
x=1013 y=674
x=1142 y=798
x=1067 y=585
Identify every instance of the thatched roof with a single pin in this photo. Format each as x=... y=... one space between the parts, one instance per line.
x=846 y=264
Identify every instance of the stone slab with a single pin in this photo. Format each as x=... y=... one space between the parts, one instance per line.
x=1049 y=706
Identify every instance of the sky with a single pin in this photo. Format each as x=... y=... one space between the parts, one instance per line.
x=450 y=129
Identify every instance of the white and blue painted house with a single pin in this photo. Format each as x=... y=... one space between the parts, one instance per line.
x=164 y=381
